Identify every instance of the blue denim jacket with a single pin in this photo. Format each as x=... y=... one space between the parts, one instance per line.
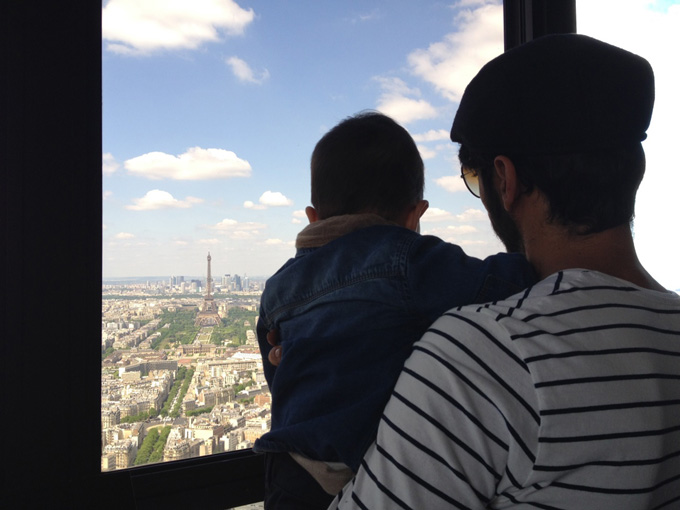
x=348 y=314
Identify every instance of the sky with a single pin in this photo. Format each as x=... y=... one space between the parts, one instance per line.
x=211 y=109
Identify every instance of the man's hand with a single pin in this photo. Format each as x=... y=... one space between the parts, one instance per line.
x=275 y=354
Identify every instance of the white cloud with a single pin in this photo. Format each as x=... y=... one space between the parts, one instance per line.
x=109 y=164
x=461 y=229
x=243 y=72
x=249 y=204
x=473 y=215
x=158 y=199
x=451 y=183
x=138 y=28
x=366 y=16
x=243 y=234
x=274 y=199
x=269 y=199
x=426 y=152
x=124 y=235
x=299 y=216
x=238 y=230
x=471 y=3
x=106 y=195
x=453 y=231
x=394 y=102
x=279 y=245
x=450 y=64
x=226 y=223
x=433 y=135
x=470 y=229
x=194 y=165
x=209 y=242
x=406 y=109
x=479 y=243
x=434 y=214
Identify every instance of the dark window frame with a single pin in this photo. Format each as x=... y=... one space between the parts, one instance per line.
x=51 y=186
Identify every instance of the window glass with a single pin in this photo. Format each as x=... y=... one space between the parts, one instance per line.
x=650 y=29
x=211 y=111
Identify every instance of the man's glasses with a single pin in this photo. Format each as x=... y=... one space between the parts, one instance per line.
x=471 y=180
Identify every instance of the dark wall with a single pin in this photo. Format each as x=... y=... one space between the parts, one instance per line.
x=525 y=20
x=51 y=257
x=50 y=161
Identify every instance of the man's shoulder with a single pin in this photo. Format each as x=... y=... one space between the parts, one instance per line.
x=571 y=289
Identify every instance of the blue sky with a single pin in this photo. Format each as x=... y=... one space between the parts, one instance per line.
x=212 y=109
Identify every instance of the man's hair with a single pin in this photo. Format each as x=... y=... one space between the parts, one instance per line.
x=366 y=164
x=587 y=192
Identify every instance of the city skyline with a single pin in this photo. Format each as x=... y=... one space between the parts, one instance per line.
x=161 y=370
x=211 y=114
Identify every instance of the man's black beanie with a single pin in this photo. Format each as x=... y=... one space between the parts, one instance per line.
x=554 y=95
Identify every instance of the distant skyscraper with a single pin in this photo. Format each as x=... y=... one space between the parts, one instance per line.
x=208 y=315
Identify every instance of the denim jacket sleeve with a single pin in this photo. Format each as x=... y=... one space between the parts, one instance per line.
x=441 y=276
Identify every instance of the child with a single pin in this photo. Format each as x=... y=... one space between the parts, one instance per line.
x=363 y=287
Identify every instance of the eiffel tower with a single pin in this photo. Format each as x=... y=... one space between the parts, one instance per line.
x=208 y=316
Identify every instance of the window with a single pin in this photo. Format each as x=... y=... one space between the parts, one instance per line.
x=208 y=125
x=51 y=182
x=654 y=37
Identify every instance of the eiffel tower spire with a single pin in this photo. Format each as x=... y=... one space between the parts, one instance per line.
x=208 y=282
x=208 y=315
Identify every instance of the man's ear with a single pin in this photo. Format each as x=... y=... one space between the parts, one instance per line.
x=509 y=187
x=311 y=213
x=414 y=215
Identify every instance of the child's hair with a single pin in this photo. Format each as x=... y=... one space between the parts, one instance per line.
x=366 y=164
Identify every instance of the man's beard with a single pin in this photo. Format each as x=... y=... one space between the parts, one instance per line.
x=501 y=221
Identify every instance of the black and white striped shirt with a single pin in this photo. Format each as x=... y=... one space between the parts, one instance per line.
x=564 y=397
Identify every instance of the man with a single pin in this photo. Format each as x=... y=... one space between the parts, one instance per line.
x=566 y=396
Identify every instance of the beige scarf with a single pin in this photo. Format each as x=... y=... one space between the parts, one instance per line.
x=323 y=232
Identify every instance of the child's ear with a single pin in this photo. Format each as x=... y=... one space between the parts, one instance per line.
x=311 y=213
x=414 y=215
